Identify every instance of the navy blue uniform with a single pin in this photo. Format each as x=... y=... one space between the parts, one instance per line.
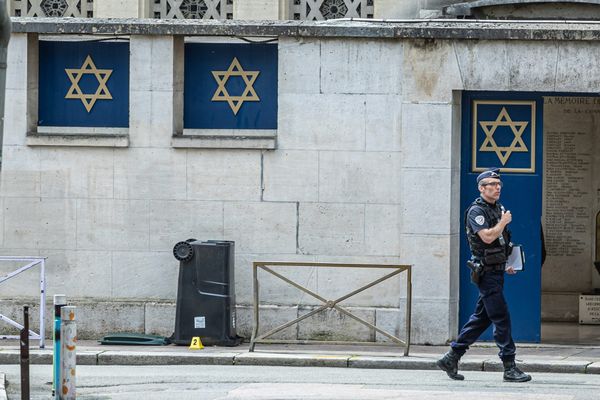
x=491 y=307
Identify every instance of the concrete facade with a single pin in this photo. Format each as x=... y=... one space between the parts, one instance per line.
x=366 y=170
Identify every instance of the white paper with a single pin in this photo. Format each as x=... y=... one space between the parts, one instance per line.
x=516 y=258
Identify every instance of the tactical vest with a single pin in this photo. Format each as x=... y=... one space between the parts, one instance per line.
x=492 y=214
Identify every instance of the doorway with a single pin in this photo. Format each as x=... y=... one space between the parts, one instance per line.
x=547 y=146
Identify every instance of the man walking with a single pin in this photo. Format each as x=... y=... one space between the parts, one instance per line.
x=489 y=239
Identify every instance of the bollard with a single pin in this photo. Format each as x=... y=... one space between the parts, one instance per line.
x=68 y=336
x=60 y=300
x=25 y=355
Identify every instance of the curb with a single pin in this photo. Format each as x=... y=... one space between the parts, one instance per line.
x=415 y=362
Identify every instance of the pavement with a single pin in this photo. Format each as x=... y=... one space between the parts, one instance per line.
x=481 y=357
x=574 y=359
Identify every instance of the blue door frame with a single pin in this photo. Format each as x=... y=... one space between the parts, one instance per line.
x=507 y=130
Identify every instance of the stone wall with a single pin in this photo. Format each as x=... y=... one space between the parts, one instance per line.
x=366 y=170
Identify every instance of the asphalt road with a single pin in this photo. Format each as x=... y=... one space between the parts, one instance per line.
x=203 y=382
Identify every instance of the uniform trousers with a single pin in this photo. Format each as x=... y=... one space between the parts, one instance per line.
x=491 y=308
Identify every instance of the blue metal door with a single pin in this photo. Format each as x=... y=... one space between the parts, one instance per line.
x=503 y=130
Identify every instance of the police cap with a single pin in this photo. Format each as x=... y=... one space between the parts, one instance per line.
x=490 y=173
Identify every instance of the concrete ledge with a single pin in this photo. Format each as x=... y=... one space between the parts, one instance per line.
x=291 y=360
x=558 y=366
x=391 y=362
x=165 y=358
x=400 y=29
x=209 y=140
x=593 y=368
x=78 y=140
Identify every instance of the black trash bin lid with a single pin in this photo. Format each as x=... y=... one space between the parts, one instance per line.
x=135 y=339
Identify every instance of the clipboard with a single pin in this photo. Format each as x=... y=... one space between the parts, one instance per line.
x=516 y=259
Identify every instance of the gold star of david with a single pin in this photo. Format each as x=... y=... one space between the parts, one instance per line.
x=517 y=128
x=221 y=94
x=75 y=75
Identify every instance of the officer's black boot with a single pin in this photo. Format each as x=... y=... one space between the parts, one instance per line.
x=449 y=363
x=512 y=373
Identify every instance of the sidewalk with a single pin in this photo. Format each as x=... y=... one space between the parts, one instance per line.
x=481 y=357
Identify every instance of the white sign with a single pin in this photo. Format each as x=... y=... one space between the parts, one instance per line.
x=589 y=309
x=199 y=322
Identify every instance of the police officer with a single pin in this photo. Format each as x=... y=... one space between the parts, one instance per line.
x=486 y=223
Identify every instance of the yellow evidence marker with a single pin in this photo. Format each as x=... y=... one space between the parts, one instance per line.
x=196 y=344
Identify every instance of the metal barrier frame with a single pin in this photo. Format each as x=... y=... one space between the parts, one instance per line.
x=32 y=262
x=264 y=265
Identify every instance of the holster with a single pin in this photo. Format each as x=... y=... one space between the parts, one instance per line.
x=476 y=271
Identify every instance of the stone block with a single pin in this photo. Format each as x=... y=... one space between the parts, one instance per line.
x=413 y=363
x=97 y=319
x=151 y=118
x=291 y=176
x=288 y=360
x=20 y=174
x=299 y=66
x=16 y=63
x=256 y=9
x=13 y=309
x=421 y=83
x=270 y=317
x=321 y=122
x=355 y=177
x=332 y=325
x=151 y=63
x=393 y=9
x=150 y=174
x=272 y=289
x=430 y=257
x=382 y=229
x=172 y=221
x=334 y=283
x=112 y=224
x=577 y=69
x=140 y=62
x=69 y=172
x=223 y=175
x=15 y=118
x=383 y=122
x=144 y=275
x=477 y=74
x=33 y=223
x=426 y=135
x=593 y=368
x=392 y=321
x=261 y=227
x=422 y=212
x=347 y=66
x=159 y=319
x=430 y=321
x=560 y=306
x=27 y=283
x=335 y=229
x=94 y=224
x=78 y=274
x=532 y=65
x=117 y=9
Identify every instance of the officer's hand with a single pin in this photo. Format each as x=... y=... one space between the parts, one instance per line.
x=506 y=217
x=510 y=271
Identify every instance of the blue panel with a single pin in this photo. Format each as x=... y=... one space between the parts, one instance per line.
x=515 y=145
x=230 y=86
x=83 y=84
